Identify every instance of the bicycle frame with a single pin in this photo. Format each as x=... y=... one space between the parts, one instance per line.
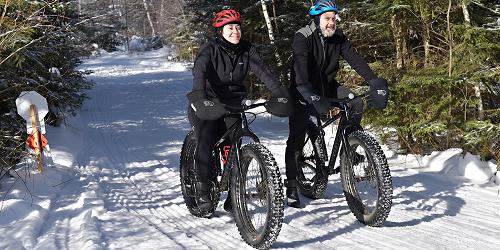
x=364 y=172
x=234 y=134
x=340 y=141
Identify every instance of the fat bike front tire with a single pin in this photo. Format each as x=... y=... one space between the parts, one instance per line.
x=257 y=195
x=366 y=179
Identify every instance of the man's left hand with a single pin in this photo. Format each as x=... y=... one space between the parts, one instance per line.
x=378 y=95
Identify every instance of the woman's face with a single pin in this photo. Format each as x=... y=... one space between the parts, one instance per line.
x=232 y=33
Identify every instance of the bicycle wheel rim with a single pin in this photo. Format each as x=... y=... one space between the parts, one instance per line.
x=362 y=183
x=255 y=201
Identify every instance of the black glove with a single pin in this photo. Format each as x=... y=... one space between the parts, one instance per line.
x=280 y=103
x=378 y=93
x=208 y=110
x=320 y=104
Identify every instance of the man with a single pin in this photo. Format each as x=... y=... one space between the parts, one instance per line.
x=317 y=48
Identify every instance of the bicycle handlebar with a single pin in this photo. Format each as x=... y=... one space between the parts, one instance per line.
x=243 y=108
x=347 y=99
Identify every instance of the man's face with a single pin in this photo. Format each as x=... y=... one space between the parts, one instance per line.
x=328 y=23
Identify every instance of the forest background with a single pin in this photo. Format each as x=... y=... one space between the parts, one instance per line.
x=441 y=58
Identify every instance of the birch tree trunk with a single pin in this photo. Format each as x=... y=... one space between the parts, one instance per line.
x=270 y=30
x=148 y=14
x=79 y=8
x=126 y=26
x=450 y=62
x=268 y=21
x=477 y=85
x=426 y=36
x=466 y=13
x=399 y=38
x=427 y=45
x=274 y=15
x=162 y=16
x=477 y=93
x=182 y=3
x=450 y=39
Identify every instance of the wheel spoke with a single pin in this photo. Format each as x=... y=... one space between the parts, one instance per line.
x=258 y=211
x=255 y=194
x=311 y=183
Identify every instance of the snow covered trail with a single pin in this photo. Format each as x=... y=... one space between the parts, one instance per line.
x=132 y=131
x=118 y=185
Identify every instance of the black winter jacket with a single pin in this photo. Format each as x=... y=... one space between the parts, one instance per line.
x=316 y=60
x=218 y=72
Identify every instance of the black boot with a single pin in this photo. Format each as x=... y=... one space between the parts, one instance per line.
x=228 y=204
x=203 y=199
x=292 y=194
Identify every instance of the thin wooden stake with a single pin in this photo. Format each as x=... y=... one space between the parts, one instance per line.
x=38 y=144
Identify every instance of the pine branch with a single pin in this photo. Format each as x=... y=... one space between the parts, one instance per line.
x=21 y=48
x=3 y=14
x=24 y=28
x=486 y=8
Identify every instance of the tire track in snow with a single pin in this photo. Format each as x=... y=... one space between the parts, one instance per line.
x=432 y=209
x=436 y=209
x=108 y=188
x=139 y=192
x=445 y=231
x=390 y=237
x=343 y=229
x=456 y=198
x=109 y=191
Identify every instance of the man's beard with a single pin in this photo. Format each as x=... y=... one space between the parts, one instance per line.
x=327 y=33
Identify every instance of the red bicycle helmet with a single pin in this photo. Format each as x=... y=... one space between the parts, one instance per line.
x=226 y=16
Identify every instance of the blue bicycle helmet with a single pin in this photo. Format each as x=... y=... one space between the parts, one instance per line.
x=322 y=6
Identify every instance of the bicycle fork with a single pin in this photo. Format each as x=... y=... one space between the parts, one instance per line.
x=340 y=141
x=333 y=156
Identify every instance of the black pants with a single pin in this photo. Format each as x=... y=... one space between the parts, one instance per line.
x=298 y=122
x=207 y=133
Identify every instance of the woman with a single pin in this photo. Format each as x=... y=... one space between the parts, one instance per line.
x=219 y=70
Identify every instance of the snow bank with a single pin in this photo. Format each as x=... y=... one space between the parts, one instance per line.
x=454 y=162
